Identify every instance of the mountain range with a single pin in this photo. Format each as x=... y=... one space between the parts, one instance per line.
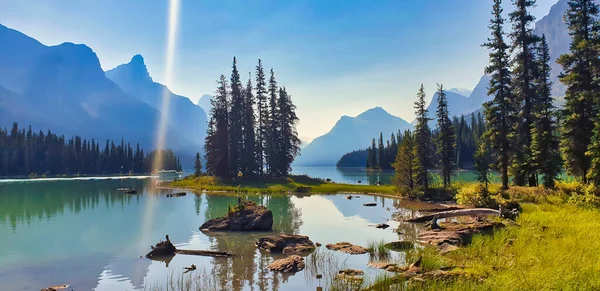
x=348 y=134
x=63 y=88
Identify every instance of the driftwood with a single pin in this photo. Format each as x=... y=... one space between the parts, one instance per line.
x=456 y=213
x=179 y=194
x=203 y=253
x=370 y=204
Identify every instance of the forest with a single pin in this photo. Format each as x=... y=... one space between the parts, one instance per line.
x=25 y=152
x=252 y=130
x=381 y=156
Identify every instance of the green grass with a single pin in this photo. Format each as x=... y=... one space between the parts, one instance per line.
x=294 y=184
x=551 y=247
x=378 y=251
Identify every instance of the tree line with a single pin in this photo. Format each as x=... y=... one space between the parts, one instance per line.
x=25 y=152
x=252 y=129
x=530 y=138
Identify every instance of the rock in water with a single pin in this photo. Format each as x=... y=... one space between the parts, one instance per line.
x=247 y=215
x=291 y=264
x=286 y=243
x=347 y=247
x=162 y=249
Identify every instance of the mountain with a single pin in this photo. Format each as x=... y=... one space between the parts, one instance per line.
x=184 y=115
x=348 y=134
x=204 y=103
x=460 y=91
x=63 y=88
x=457 y=105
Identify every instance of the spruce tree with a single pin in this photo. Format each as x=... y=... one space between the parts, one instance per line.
x=380 y=152
x=249 y=156
x=483 y=160
x=422 y=140
x=545 y=144
x=197 y=165
x=407 y=165
x=446 y=139
x=524 y=91
x=499 y=112
x=273 y=128
x=236 y=117
x=216 y=145
x=373 y=162
x=581 y=79
x=289 y=143
x=262 y=115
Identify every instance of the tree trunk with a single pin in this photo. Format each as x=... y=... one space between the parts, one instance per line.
x=456 y=213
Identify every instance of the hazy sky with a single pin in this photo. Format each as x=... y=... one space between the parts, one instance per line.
x=335 y=57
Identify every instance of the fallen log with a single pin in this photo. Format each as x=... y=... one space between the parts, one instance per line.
x=203 y=253
x=456 y=213
x=179 y=194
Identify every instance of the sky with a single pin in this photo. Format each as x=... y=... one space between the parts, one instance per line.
x=334 y=57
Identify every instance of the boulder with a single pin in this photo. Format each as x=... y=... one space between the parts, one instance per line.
x=291 y=264
x=286 y=243
x=162 y=249
x=456 y=233
x=246 y=216
x=347 y=247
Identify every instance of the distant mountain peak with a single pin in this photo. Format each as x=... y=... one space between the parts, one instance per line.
x=135 y=71
x=375 y=111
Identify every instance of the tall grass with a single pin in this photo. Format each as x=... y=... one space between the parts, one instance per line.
x=553 y=247
x=378 y=251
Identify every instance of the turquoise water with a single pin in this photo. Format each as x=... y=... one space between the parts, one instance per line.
x=86 y=234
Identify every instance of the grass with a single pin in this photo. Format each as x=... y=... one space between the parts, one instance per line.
x=294 y=184
x=551 y=247
x=378 y=251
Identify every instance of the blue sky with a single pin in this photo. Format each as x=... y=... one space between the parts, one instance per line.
x=335 y=57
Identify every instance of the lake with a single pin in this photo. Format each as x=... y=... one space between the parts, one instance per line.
x=354 y=175
x=86 y=234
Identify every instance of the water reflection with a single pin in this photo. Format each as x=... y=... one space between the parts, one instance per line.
x=88 y=235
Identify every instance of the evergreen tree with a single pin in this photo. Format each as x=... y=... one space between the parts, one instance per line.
x=273 y=128
x=217 y=138
x=380 y=151
x=422 y=140
x=483 y=161
x=581 y=79
x=499 y=112
x=249 y=156
x=524 y=91
x=289 y=145
x=262 y=113
x=197 y=165
x=545 y=144
x=373 y=163
x=236 y=116
x=446 y=139
x=407 y=165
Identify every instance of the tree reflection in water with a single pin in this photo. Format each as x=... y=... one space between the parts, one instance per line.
x=248 y=266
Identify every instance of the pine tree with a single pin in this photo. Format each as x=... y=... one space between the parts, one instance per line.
x=483 y=160
x=581 y=79
x=262 y=113
x=249 y=156
x=289 y=143
x=545 y=144
x=407 y=165
x=380 y=151
x=499 y=112
x=373 y=162
x=422 y=140
x=236 y=116
x=197 y=165
x=523 y=47
x=446 y=140
x=273 y=128
x=217 y=141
